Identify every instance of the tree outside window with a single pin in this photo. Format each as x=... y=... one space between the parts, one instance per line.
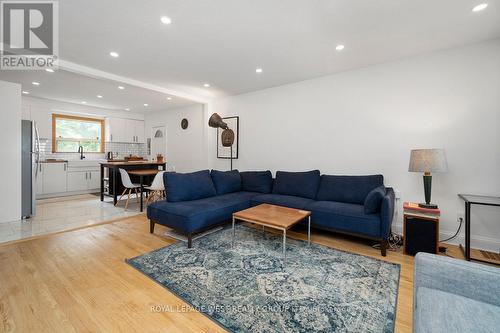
x=70 y=132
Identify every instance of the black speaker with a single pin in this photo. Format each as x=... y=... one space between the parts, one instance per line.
x=421 y=235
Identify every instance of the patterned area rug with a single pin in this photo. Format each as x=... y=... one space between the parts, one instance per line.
x=247 y=288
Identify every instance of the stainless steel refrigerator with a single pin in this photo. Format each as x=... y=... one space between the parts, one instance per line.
x=30 y=166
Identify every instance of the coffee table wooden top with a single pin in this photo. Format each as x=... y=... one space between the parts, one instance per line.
x=272 y=215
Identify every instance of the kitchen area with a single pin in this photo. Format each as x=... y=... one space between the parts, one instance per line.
x=65 y=190
x=76 y=132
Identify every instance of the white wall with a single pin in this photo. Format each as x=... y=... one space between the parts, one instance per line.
x=366 y=121
x=186 y=149
x=10 y=148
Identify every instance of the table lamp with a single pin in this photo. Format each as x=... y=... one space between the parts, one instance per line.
x=427 y=161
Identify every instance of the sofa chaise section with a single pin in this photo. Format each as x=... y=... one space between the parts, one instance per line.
x=189 y=217
x=201 y=200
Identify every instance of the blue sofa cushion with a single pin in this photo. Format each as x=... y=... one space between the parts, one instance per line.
x=191 y=216
x=374 y=199
x=347 y=189
x=226 y=181
x=300 y=184
x=281 y=200
x=344 y=217
x=440 y=311
x=257 y=181
x=188 y=186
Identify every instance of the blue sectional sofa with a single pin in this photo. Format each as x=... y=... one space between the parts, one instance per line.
x=356 y=205
x=451 y=295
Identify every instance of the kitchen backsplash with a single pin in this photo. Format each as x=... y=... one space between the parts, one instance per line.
x=119 y=149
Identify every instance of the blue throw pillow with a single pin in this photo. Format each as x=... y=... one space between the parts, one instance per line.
x=374 y=199
x=348 y=189
x=257 y=181
x=188 y=186
x=226 y=181
x=300 y=184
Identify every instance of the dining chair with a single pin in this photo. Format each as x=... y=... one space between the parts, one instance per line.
x=129 y=186
x=157 y=188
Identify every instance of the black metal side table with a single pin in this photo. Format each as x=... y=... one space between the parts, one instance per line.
x=471 y=199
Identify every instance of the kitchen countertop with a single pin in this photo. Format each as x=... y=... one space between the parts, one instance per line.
x=53 y=161
x=132 y=163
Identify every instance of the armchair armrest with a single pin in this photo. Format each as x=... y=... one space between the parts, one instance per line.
x=471 y=280
x=387 y=213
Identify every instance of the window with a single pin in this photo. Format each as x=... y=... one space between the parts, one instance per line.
x=70 y=132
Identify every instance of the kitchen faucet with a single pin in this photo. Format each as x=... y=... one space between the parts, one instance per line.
x=80 y=150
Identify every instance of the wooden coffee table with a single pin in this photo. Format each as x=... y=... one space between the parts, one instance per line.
x=276 y=217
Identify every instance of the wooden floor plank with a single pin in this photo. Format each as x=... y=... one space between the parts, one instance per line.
x=78 y=281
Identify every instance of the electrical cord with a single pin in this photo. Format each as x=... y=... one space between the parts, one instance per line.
x=456 y=233
x=394 y=242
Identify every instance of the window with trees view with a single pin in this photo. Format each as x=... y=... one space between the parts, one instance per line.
x=70 y=132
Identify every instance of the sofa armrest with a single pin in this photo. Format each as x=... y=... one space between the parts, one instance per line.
x=387 y=213
x=460 y=277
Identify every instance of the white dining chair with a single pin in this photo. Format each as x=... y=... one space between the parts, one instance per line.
x=157 y=188
x=129 y=186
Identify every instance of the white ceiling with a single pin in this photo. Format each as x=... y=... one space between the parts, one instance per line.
x=223 y=41
x=74 y=88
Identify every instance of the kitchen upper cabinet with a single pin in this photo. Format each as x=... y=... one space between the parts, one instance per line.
x=139 y=131
x=53 y=177
x=116 y=130
x=124 y=130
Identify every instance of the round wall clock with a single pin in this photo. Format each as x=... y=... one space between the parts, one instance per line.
x=184 y=123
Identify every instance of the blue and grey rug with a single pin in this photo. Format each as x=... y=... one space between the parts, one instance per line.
x=247 y=288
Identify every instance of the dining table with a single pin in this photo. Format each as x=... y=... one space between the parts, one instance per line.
x=111 y=184
x=141 y=173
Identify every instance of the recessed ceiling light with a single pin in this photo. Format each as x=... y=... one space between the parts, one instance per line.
x=26 y=92
x=114 y=54
x=169 y=98
x=83 y=102
x=166 y=20
x=35 y=83
x=121 y=87
x=127 y=109
x=50 y=70
x=480 y=7
x=339 y=47
x=206 y=85
x=146 y=104
x=99 y=96
x=258 y=70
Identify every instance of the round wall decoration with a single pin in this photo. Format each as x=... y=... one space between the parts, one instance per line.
x=184 y=123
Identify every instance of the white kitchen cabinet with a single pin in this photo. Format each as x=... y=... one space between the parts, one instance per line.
x=83 y=176
x=54 y=178
x=116 y=130
x=94 y=181
x=77 y=181
x=139 y=131
x=124 y=130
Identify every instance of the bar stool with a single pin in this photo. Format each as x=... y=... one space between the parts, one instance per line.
x=128 y=186
x=157 y=188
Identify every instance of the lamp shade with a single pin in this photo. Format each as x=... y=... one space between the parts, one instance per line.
x=428 y=160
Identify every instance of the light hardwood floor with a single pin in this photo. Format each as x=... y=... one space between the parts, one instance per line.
x=78 y=281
